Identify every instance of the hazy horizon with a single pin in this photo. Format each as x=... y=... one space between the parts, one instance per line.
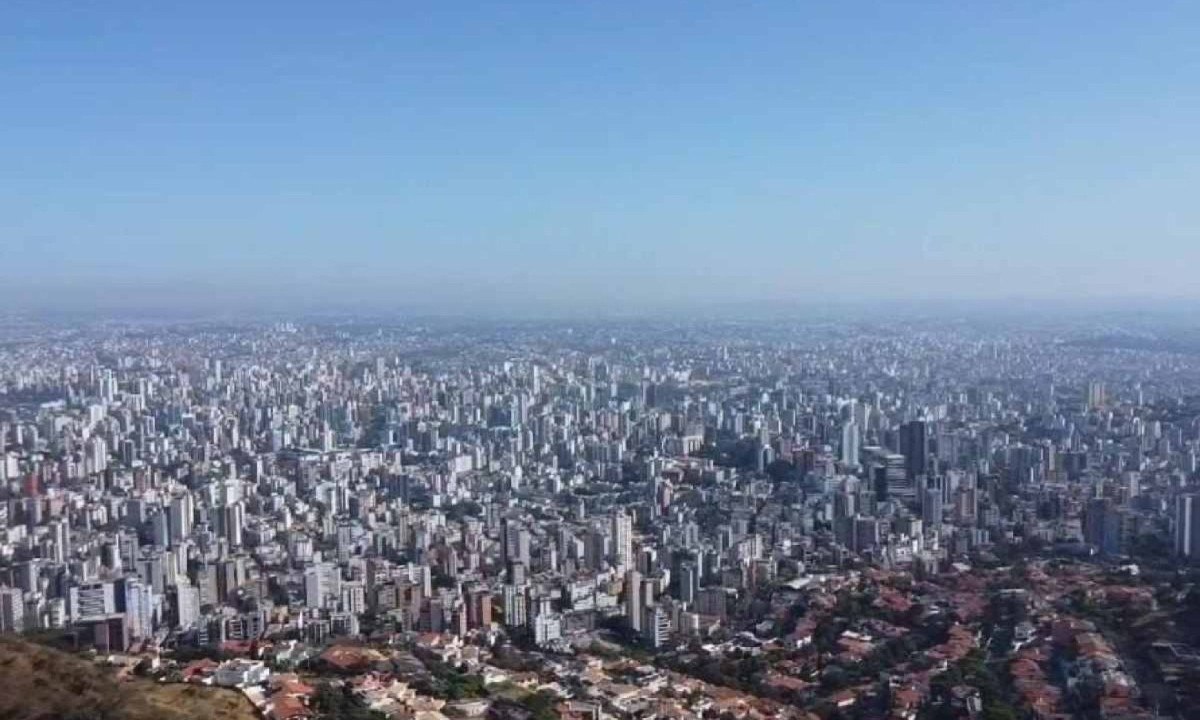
x=541 y=159
x=216 y=305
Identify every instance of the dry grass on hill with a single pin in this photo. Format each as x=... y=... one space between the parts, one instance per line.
x=39 y=683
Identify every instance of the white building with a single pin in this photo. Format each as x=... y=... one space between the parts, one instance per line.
x=240 y=673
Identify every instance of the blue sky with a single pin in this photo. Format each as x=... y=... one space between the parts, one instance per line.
x=596 y=155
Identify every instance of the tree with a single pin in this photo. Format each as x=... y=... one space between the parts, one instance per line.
x=543 y=704
x=999 y=711
x=340 y=703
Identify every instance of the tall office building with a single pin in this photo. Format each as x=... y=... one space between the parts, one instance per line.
x=656 y=626
x=633 y=599
x=96 y=458
x=850 y=443
x=187 y=605
x=932 y=507
x=596 y=548
x=515 y=541
x=1102 y=526
x=689 y=582
x=479 y=609
x=160 y=529
x=515 y=613
x=136 y=600
x=1187 y=527
x=181 y=515
x=150 y=568
x=12 y=610
x=93 y=601
x=622 y=534
x=889 y=475
x=914 y=446
x=322 y=586
x=235 y=519
x=60 y=533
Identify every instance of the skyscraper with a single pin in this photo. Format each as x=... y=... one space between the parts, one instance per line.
x=91 y=602
x=1187 y=527
x=187 y=605
x=931 y=507
x=633 y=599
x=656 y=626
x=515 y=542
x=689 y=582
x=12 y=610
x=60 y=532
x=479 y=608
x=235 y=519
x=914 y=446
x=181 y=515
x=322 y=585
x=515 y=613
x=622 y=540
x=850 y=443
x=1102 y=526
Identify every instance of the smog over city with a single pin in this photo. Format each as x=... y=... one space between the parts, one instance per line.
x=599 y=361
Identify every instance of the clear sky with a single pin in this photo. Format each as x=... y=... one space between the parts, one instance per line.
x=596 y=155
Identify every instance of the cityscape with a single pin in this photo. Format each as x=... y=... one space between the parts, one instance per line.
x=468 y=360
x=774 y=519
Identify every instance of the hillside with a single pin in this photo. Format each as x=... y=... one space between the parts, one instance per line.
x=38 y=683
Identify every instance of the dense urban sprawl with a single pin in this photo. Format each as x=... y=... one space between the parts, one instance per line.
x=601 y=520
